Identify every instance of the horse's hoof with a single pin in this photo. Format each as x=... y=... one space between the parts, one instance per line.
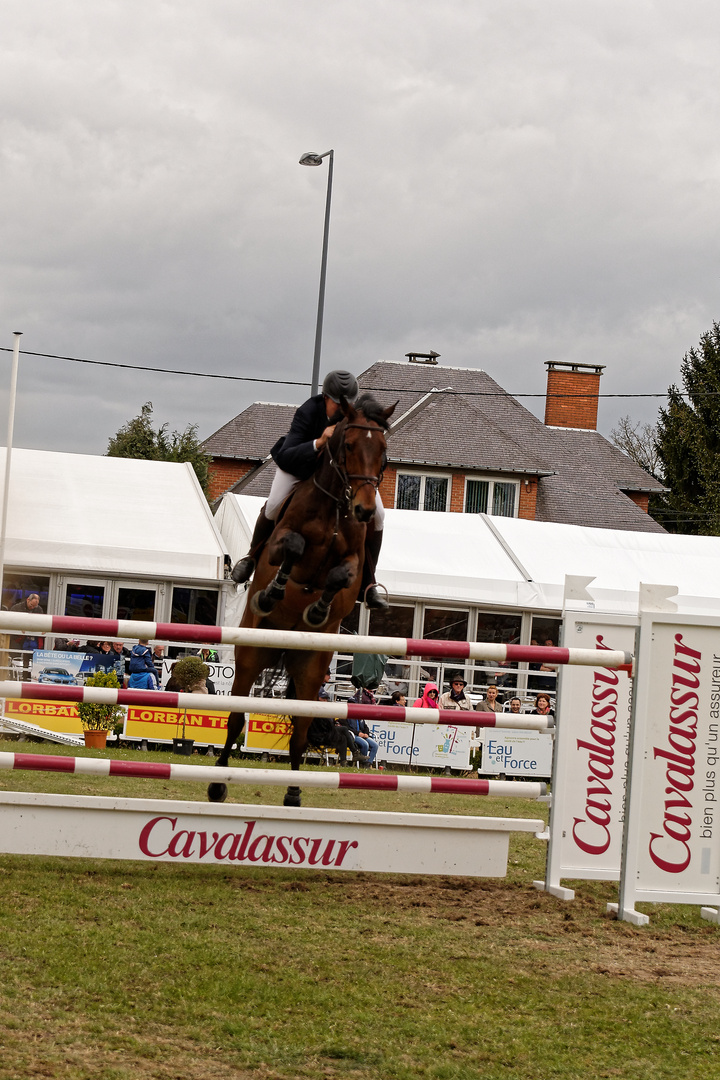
x=260 y=607
x=217 y=792
x=242 y=571
x=313 y=617
x=292 y=797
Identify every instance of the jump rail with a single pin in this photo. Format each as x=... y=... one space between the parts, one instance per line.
x=340 y=710
x=274 y=777
x=16 y=622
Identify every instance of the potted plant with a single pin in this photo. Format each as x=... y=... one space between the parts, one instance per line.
x=190 y=675
x=97 y=720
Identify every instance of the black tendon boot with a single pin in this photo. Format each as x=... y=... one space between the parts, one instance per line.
x=369 y=590
x=242 y=571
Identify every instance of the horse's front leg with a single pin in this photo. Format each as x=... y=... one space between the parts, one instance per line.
x=298 y=745
x=235 y=725
x=292 y=547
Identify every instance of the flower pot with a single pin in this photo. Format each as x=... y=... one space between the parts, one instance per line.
x=95 y=739
x=183 y=746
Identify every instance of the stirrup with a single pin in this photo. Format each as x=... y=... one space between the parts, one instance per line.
x=374 y=601
x=242 y=571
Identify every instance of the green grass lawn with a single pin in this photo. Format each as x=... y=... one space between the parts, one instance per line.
x=135 y=970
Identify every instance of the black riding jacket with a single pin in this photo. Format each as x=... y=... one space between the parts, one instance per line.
x=294 y=453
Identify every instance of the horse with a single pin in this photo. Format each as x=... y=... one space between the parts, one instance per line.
x=309 y=574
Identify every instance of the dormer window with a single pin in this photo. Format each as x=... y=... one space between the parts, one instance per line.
x=422 y=491
x=490 y=496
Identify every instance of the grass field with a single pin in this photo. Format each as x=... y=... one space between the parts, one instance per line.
x=154 y=971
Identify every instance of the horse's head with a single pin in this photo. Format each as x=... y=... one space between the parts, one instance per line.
x=360 y=451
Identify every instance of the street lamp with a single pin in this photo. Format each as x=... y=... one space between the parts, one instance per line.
x=316 y=159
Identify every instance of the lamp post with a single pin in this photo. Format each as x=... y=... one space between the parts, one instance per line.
x=8 y=452
x=316 y=159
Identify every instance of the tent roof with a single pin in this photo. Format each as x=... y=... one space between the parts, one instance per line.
x=511 y=562
x=109 y=515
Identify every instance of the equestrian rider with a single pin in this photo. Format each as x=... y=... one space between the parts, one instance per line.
x=296 y=456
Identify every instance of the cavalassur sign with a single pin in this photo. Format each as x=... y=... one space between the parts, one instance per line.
x=591 y=748
x=671 y=851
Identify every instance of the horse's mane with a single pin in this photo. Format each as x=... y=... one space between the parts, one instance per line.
x=371 y=409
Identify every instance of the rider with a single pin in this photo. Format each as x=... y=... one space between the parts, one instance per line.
x=296 y=456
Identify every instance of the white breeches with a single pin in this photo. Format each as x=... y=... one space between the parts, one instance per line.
x=282 y=485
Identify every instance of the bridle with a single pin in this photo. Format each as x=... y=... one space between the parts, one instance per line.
x=337 y=464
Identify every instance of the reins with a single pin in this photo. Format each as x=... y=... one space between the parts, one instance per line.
x=346 y=478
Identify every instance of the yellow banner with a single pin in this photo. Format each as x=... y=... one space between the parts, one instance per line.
x=265 y=734
x=268 y=734
x=52 y=715
x=147 y=722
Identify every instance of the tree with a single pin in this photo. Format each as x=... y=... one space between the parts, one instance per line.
x=688 y=443
x=638 y=441
x=138 y=439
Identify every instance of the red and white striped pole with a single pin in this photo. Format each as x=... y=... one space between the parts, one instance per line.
x=202 y=774
x=340 y=710
x=70 y=625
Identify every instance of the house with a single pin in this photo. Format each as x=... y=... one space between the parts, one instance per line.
x=459 y=443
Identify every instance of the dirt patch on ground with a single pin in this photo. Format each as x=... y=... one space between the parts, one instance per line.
x=565 y=935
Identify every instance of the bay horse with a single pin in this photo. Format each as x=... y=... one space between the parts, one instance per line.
x=309 y=573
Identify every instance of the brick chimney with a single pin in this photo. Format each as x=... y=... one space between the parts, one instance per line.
x=572 y=394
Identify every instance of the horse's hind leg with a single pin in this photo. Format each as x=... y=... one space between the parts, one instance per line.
x=292 y=546
x=306 y=672
x=235 y=724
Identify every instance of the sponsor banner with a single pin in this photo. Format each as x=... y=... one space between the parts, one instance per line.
x=269 y=836
x=673 y=853
x=57 y=716
x=267 y=734
x=516 y=753
x=221 y=675
x=591 y=748
x=61 y=668
x=164 y=725
x=429 y=745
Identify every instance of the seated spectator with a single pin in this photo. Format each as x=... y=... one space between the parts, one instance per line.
x=491 y=703
x=104 y=660
x=142 y=670
x=27 y=642
x=398 y=698
x=515 y=705
x=429 y=699
x=367 y=746
x=542 y=706
x=456 y=698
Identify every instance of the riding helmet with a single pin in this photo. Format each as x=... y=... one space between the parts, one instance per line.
x=339 y=384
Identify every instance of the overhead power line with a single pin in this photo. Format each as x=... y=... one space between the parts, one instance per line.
x=291 y=382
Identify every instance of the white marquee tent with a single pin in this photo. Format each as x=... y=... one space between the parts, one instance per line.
x=510 y=562
x=118 y=516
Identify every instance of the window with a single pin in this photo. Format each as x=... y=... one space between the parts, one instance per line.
x=136 y=604
x=84 y=599
x=17 y=588
x=195 y=606
x=418 y=492
x=447 y=625
x=496 y=497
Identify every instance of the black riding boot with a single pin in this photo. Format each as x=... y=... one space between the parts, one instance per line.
x=242 y=571
x=369 y=590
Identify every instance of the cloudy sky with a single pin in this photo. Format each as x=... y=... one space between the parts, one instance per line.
x=514 y=182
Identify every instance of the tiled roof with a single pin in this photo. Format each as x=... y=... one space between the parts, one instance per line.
x=474 y=425
x=250 y=435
